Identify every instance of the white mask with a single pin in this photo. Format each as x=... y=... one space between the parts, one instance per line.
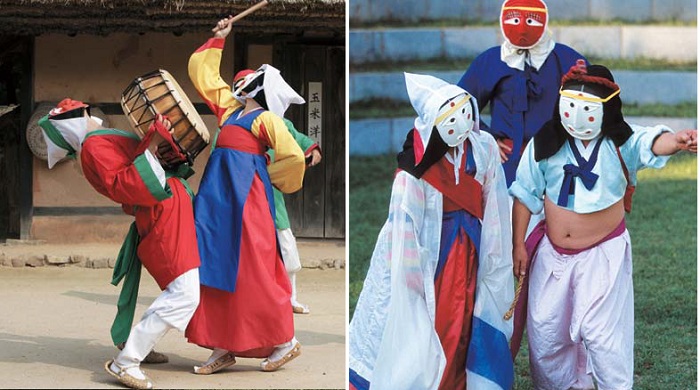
x=455 y=120
x=583 y=119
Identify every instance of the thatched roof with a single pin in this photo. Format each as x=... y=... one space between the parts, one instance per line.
x=35 y=17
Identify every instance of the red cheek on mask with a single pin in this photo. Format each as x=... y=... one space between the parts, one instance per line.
x=591 y=119
x=469 y=116
x=450 y=132
x=566 y=114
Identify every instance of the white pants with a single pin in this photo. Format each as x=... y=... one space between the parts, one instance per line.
x=581 y=317
x=173 y=308
x=290 y=253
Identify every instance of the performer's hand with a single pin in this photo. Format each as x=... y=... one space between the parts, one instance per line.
x=223 y=27
x=687 y=140
x=315 y=157
x=520 y=260
x=504 y=149
x=159 y=120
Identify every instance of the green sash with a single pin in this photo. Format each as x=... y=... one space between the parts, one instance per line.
x=127 y=267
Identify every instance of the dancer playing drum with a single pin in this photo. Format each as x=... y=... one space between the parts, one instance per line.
x=123 y=168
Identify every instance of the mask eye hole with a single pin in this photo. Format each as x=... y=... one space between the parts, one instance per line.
x=586 y=108
x=452 y=120
x=464 y=111
x=571 y=105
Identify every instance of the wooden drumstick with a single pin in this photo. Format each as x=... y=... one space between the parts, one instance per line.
x=245 y=13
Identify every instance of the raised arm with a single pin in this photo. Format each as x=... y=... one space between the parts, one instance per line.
x=203 y=69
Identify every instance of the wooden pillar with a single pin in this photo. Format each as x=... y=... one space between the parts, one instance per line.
x=26 y=173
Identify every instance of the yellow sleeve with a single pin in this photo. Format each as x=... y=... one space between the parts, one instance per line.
x=287 y=171
x=203 y=69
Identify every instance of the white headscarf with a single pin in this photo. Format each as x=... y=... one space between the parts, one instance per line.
x=427 y=94
x=278 y=94
x=64 y=133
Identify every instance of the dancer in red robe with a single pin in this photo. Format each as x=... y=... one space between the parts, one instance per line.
x=122 y=167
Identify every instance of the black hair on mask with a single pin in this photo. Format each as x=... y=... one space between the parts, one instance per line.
x=434 y=152
x=596 y=80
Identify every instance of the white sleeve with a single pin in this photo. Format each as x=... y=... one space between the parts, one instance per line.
x=155 y=165
x=392 y=338
x=637 y=151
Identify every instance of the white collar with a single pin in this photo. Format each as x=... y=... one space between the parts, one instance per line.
x=586 y=151
x=535 y=56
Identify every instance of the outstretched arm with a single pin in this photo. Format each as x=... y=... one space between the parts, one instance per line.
x=667 y=144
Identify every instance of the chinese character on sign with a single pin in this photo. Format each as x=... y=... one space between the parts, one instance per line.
x=315 y=111
x=314 y=132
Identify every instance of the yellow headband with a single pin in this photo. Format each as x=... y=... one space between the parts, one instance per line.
x=534 y=9
x=451 y=111
x=586 y=98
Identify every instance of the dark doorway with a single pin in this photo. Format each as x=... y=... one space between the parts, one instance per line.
x=316 y=70
x=318 y=73
x=15 y=157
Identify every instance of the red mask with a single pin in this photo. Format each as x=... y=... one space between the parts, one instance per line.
x=523 y=22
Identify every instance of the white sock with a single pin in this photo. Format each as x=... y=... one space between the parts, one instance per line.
x=282 y=349
x=134 y=371
x=215 y=354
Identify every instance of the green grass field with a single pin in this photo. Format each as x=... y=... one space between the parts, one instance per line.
x=664 y=245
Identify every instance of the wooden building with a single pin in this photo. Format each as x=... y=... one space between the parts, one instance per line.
x=91 y=50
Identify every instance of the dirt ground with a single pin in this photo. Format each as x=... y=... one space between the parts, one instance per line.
x=54 y=329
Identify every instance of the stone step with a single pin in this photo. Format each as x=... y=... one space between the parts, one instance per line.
x=313 y=253
x=665 y=42
x=370 y=137
x=641 y=87
x=372 y=11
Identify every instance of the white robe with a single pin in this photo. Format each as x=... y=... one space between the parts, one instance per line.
x=392 y=338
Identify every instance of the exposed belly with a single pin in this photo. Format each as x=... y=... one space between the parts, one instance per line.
x=571 y=230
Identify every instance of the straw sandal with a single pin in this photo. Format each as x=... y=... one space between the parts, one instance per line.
x=300 y=308
x=126 y=379
x=153 y=357
x=224 y=361
x=268 y=365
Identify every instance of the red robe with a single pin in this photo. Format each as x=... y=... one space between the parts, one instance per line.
x=113 y=165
